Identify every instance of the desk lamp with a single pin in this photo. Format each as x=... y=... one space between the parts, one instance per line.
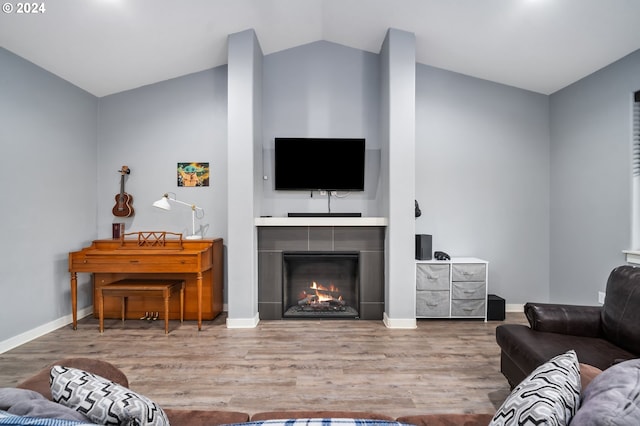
x=164 y=204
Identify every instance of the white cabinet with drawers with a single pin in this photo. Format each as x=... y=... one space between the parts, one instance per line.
x=455 y=288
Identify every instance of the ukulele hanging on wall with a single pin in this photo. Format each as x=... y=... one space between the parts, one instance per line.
x=123 y=200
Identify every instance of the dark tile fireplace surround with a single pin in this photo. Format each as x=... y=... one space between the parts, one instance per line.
x=366 y=242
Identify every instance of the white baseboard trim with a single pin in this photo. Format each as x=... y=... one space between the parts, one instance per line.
x=27 y=336
x=516 y=307
x=399 y=323
x=39 y=331
x=243 y=322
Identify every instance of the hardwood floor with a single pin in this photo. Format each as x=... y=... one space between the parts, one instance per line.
x=443 y=366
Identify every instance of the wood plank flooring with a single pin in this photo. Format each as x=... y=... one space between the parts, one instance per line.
x=443 y=366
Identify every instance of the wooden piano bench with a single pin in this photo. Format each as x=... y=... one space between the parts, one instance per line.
x=143 y=288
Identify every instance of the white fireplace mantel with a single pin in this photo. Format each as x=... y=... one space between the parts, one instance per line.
x=321 y=221
x=633 y=256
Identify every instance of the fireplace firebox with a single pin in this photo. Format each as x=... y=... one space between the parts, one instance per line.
x=320 y=285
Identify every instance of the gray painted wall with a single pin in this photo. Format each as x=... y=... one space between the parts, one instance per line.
x=48 y=147
x=482 y=177
x=321 y=90
x=591 y=180
x=151 y=129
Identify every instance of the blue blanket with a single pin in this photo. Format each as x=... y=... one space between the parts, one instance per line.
x=322 y=422
x=10 y=419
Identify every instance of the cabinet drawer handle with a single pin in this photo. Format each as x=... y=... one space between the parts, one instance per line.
x=134 y=261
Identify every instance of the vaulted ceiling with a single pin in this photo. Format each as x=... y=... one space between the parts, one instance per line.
x=108 y=46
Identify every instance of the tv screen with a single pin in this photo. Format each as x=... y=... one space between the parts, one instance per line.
x=319 y=164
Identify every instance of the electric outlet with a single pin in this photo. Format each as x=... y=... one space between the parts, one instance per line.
x=334 y=193
x=601 y=296
x=323 y=192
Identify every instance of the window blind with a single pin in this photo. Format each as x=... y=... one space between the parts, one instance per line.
x=636 y=134
x=635 y=179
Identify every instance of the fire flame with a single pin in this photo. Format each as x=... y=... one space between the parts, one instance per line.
x=322 y=293
x=316 y=286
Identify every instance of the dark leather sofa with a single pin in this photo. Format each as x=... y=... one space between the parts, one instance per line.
x=600 y=335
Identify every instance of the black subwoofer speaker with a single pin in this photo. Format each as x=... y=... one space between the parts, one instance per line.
x=423 y=247
x=495 y=308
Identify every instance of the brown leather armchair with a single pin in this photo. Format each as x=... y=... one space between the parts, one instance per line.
x=600 y=335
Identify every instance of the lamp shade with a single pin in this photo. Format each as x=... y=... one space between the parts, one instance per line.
x=163 y=203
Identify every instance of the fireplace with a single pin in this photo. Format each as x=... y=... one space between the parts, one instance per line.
x=320 y=285
x=368 y=297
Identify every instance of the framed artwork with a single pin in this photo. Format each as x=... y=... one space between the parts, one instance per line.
x=193 y=174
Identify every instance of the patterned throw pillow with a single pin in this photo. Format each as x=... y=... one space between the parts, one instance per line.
x=549 y=396
x=103 y=401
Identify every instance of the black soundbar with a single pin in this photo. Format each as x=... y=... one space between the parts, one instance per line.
x=325 y=214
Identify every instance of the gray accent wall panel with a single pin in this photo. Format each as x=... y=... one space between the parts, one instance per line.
x=321 y=238
x=270 y=311
x=372 y=276
x=359 y=238
x=270 y=270
x=295 y=238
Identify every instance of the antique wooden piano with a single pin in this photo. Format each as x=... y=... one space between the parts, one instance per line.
x=156 y=255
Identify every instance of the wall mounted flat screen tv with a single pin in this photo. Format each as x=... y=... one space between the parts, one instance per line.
x=330 y=164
